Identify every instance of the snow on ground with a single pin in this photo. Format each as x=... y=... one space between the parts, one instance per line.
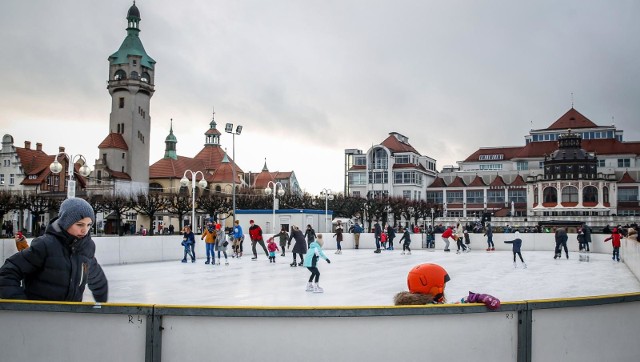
x=363 y=278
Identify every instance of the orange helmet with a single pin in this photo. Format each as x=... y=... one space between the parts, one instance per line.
x=428 y=279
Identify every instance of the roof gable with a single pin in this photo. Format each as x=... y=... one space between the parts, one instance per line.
x=394 y=145
x=478 y=181
x=457 y=182
x=572 y=119
x=627 y=179
x=437 y=182
x=114 y=140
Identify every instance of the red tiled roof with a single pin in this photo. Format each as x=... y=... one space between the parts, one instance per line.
x=114 y=140
x=224 y=173
x=507 y=152
x=518 y=181
x=119 y=175
x=478 y=181
x=394 y=145
x=437 y=182
x=170 y=168
x=213 y=131
x=498 y=181
x=212 y=155
x=33 y=160
x=358 y=167
x=627 y=179
x=457 y=182
x=572 y=119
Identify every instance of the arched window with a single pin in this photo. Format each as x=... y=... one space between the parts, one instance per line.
x=379 y=159
x=535 y=195
x=590 y=194
x=550 y=194
x=218 y=189
x=155 y=187
x=605 y=195
x=134 y=75
x=120 y=74
x=145 y=77
x=569 y=194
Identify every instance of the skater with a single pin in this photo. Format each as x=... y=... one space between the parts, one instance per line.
x=283 y=235
x=405 y=240
x=377 y=232
x=587 y=236
x=189 y=242
x=460 y=239
x=60 y=264
x=383 y=239
x=615 y=242
x=272 y=247
x=467 y=240
x=561 y=241
x=310 y=234
x=311 y=262
x=221 y=244
x=391 y=234
x=338 y=236
x=255 y=234
x=517 y=243
x=357 y=230
x=21 y=241
x=431 y=238
x=489 y=235
x=238 y=238
x=426 y=284
x=300 y=247
x=209 y=236
x=581 y=241
x=445 y=237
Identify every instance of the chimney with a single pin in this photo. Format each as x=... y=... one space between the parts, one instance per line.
x=60 y=149
x=38 y=146
x=27 y=145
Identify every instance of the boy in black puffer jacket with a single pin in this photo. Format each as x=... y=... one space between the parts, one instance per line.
x=58 y=265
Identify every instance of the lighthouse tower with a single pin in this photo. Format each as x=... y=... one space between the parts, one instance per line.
x=124 y=153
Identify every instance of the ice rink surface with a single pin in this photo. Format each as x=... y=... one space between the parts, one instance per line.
x=363 y=278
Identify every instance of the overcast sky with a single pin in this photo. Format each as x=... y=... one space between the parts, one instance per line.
x=308 y=79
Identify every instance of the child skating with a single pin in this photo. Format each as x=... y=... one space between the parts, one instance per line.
x=272 y=247
x=221 y=244
x=615 y=242
x=405 y=240
x=517 y=243
x=311 y=260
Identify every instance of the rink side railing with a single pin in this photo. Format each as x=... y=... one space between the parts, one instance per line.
x=593 y=328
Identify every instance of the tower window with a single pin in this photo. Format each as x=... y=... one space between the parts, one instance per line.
x=118 y=126
x=121 y=127
x=134 y=75
x=121 y=102
x=120 y=74
x=123 y=155
x=134 y=62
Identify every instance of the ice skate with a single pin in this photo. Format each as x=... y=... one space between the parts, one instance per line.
x=317 y=288
x=254 y=258
x=184 y=260
x=524 y=265
x=408 y=253
x=300 y=264
x=219 y=262
x=488 y=249
x=293 y=265
x=402 y=253
x=515 y=266
x=493 y=249
x=226 y=262
x=207 y=262
x=309 y=287
x=457 y=251
x=337 y=251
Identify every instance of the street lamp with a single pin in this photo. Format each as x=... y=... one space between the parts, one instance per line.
x=275 y=191
x=203 y=184
x=327 y=196
x=229 y=129
x=56 y=168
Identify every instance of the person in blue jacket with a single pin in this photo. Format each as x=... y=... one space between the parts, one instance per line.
x=311 y=262
x=238 y=238
x=517 y=243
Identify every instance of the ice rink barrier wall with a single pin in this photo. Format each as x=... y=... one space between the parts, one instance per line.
x=577 y=329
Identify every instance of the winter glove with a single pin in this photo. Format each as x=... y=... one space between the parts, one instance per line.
x=328 y=261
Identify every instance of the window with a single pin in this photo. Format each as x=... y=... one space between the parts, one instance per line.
x=475 y=197
x=378 y=177
x=360 y=161
x=2 y=178
x=402 y=159
x=491 y=167
x=522 y=165
x=145 y=77
x=601 y=163
x=12 y=179
x=628 y=194
x=495 y=196
x=590 y=194
x=104 y=158
x=569 y=194
x=156 y=187
x=406 y=194
x=517 y=195
x=134 y=75
x=99 y=176
x=379 y=159
x=357 y=178
x=434 y=197
x=123 y=155
x=624 y=162
x=605 y=195
x=355 y=193
x=454 y=197
x=134 y=62
x=121 y=102
x=407 y=177
x=550 y=194
x=120 y=75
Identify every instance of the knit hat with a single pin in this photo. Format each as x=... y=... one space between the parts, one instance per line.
x=251 y=222
x=72 y=210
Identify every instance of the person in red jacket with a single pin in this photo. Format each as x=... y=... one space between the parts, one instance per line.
x=255 y=233
x=445 y=237
x=615 y=241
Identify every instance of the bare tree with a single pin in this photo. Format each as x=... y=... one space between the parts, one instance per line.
x=118 y=205
x=178 y=205
x=213 y=204
x=149 y=204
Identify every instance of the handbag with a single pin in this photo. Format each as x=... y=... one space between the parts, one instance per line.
x=225 y=243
